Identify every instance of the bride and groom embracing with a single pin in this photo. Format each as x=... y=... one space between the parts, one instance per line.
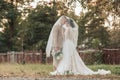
x=62 y=45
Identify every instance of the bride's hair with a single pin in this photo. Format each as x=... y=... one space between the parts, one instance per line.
x=71 y=23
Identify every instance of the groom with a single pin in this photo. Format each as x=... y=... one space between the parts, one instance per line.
x=57 y=39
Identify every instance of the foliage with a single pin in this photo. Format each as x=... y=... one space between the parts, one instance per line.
x=43 y=17
x=91 y=25
x=96 y=43
x=92 y=22
x=29 y=28
x=8 y=22
x=114 y=38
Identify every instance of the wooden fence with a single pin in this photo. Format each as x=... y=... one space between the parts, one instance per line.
x=111 y=56
x=20 y=57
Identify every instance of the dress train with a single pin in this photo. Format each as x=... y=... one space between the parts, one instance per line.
x=72 y=63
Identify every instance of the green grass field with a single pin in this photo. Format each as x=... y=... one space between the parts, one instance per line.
x=25 y=70
x=42 y=70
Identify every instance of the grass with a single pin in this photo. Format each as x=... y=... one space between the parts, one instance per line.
x=25 y=70
x=115 y=69
x=43 y=70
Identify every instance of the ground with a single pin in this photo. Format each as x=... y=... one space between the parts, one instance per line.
x=41 y=72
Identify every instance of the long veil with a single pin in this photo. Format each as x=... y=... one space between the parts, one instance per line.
x=75 y=33
x=70 y=60
x=50 y=39
x=58 y=24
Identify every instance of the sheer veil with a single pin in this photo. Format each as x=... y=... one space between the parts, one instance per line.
x=65 y=36
x=56 y=26
x=75 y=33
x=50 y=39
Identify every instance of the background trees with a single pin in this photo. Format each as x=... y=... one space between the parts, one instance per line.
x=27 y=28
x=8 y=20
x=92 y=23
x=39 y=23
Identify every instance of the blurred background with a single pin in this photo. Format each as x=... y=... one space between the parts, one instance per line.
x=25 y=26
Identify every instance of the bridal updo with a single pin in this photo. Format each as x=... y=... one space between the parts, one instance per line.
x=71 y=23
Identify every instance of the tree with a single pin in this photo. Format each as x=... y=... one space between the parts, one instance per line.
x=8 y=22
x=42 y=18
x=114 y=38
x=10 y=18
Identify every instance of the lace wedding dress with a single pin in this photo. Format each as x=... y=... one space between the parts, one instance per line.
x=71 y=62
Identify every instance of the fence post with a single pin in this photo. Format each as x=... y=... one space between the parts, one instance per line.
x=12 y=57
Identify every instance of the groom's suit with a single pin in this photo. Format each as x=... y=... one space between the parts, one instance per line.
x=57 y=41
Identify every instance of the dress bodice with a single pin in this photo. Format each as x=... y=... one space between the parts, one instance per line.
x=67 y=32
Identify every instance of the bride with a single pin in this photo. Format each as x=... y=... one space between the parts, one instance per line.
x=62 y=45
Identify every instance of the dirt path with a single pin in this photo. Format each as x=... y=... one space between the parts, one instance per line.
x=26 y=78
x=20 y=78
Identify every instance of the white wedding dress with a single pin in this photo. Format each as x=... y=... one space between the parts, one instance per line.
x=71 y=62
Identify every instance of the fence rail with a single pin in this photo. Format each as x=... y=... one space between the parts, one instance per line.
x=110 y=56
x=22 y=57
